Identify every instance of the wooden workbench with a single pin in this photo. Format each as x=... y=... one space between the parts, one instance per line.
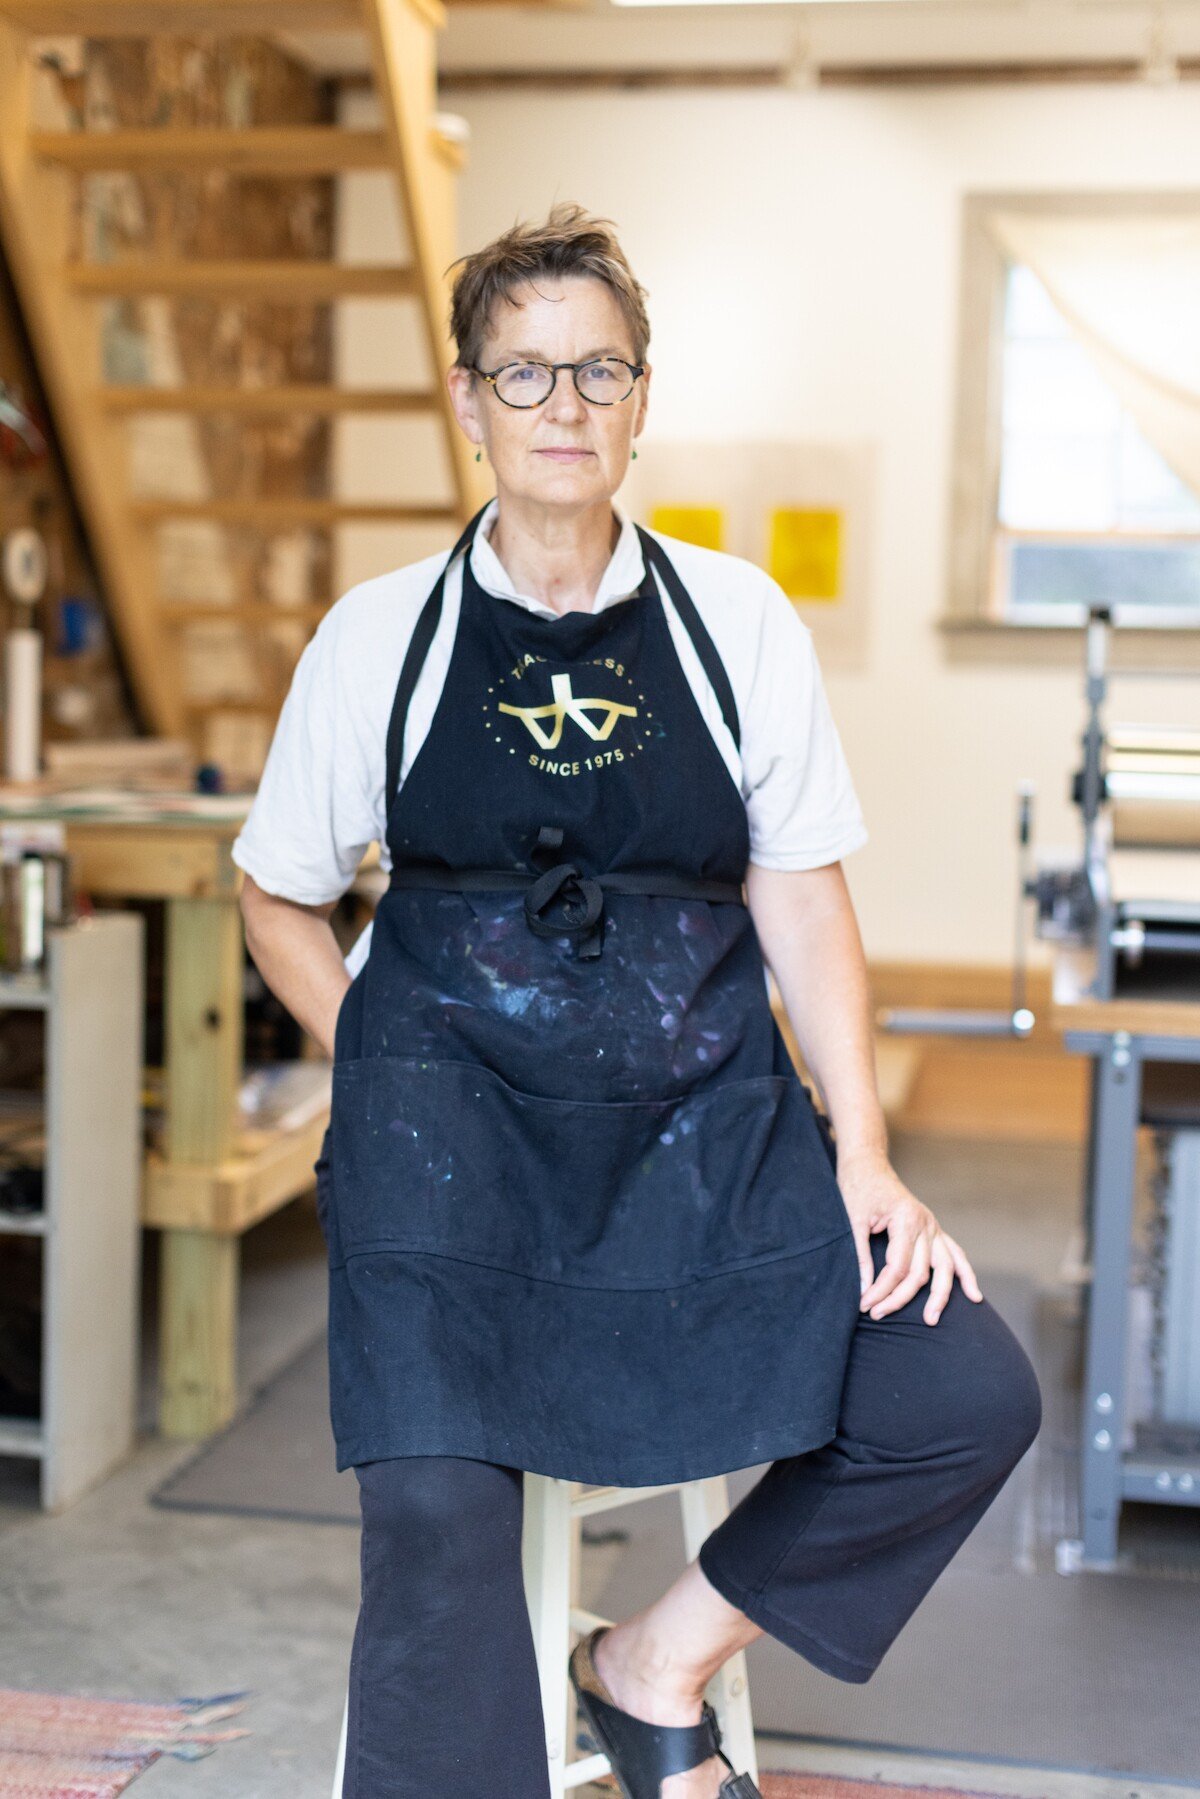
x=212 y=1180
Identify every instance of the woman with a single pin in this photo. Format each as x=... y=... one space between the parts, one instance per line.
x=582 y=1215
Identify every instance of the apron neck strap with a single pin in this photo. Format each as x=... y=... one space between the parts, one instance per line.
x=656 y=557
x=414 y=661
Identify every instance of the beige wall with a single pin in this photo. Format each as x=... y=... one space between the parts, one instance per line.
x=814 y=238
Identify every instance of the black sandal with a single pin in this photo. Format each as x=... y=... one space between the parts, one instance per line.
x=643 y=1755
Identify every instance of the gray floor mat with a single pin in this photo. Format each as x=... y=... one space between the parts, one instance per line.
x=276 y=1459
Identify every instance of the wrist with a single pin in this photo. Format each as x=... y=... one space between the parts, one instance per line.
x=864 y=1157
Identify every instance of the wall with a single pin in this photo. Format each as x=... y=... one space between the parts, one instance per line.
x=813 y=237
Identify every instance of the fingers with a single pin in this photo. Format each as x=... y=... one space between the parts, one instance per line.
x=896 y=1264
x=910 y=1284
x=866 y=1267
x=943 y=1280
x=966 y=1273
x=930 y=1256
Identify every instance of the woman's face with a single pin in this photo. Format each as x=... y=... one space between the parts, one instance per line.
x=567 y=452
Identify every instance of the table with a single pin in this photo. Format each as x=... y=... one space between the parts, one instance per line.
x=212 y=1180
x=1122 y=1036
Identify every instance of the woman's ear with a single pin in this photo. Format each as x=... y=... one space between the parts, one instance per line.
x=464 y=397
x=643 y=400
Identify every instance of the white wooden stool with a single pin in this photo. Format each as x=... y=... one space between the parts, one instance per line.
x=550 y=1555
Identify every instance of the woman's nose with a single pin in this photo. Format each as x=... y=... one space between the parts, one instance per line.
x=566 y=402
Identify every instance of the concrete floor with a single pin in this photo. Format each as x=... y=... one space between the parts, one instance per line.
x=118 y=1598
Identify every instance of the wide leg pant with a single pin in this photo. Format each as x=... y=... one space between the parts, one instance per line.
x=830 y=1552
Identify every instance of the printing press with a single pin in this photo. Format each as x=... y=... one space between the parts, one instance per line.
x=1124 y=917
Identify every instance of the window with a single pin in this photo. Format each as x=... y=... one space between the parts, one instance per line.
x=1088 y=512
x=1076 y=469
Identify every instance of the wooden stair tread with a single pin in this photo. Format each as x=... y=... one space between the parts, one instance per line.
x=295 y=398
x=281 y=149
x=280 y=510
x=278 y=277
x=144 y=18
x=177 y=614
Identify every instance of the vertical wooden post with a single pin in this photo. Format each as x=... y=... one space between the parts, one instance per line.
x=199 y=1274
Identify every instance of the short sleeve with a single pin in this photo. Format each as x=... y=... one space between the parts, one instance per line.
x=313 y=815
x=801 y=805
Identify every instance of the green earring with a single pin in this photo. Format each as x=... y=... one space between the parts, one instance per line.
x=633 y=458
x=479 y=455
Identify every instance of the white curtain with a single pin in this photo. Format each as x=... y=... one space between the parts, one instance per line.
x=1129 y=287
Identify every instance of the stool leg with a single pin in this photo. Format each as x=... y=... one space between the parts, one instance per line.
x=339 y=1773
x=705 y=1505
x=546 y=1554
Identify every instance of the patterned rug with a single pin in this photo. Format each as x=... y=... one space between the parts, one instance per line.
x=834 y=1786
x=58 y=1746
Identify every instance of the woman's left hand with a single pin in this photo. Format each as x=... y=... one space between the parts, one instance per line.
x=877 y=1199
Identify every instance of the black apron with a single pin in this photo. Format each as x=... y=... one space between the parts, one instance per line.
x=581 y=1212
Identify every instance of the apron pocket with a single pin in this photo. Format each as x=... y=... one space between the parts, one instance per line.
x=446 y=1157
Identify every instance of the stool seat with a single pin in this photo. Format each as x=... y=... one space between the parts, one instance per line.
x=550 y=1558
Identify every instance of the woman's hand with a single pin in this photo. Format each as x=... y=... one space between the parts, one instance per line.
x=877 y=1199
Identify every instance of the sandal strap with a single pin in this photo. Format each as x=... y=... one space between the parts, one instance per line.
x=740 y=1787
x=675 y=1748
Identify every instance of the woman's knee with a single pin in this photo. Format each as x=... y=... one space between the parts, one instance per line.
x=441 y=1510
x=1007 y=1399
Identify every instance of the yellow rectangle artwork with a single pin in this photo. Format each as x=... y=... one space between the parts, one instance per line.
x=804 y=552
x=703 y=525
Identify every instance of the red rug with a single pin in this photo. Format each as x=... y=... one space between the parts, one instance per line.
x=58 y=1746
x=834 y=1786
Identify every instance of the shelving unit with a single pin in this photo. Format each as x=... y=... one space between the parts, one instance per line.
x=91 y=994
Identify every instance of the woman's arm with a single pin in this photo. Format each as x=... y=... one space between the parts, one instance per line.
x=297 y=954
x=811 y=943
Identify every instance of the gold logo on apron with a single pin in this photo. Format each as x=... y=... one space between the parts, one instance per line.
x=563 y=706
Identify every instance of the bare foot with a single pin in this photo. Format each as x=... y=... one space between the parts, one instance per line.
x=660 y=1701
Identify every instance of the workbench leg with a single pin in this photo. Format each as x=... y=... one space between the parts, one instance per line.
x=1113 y=1162
x=203 y=999
x=198 y=1288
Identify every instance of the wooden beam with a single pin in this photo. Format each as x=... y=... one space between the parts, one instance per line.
x=38 y=221
x=261 y=278
x=779 y=75
x=403 y=61
x=263 y=401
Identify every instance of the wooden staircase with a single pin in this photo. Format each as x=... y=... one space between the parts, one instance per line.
x=62 y=293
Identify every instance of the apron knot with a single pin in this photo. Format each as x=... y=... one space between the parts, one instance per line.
x=582 y=901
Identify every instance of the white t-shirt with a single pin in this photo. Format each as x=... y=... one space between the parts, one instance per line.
x=320 y=801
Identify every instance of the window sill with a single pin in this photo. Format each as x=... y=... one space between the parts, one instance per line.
x=1164 y=648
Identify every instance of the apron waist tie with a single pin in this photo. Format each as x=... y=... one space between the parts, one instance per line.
x=580 y=896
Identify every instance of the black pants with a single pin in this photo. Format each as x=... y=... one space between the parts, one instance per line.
x=831 y=1552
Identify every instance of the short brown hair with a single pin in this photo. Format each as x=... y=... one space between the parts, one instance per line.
x=571 y=242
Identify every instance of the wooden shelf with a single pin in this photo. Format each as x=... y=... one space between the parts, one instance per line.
x=266 y=1168
x=22 y=1436
x=28 y=992
x=22 y=1224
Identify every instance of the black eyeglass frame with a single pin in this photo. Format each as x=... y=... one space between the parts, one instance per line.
x=635 y=370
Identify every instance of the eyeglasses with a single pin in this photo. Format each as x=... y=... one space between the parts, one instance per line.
x=604 y=381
